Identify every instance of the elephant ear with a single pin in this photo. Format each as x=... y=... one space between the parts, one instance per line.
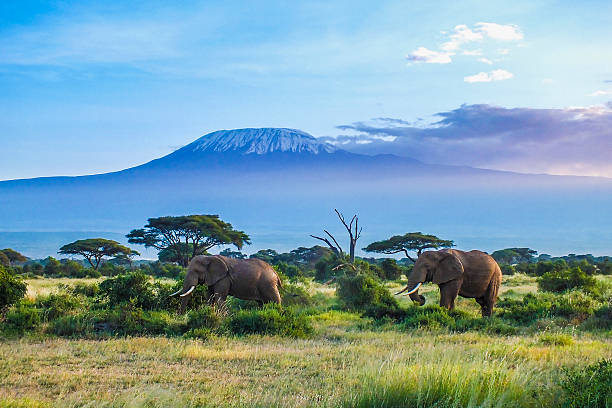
x=217 y=270
x=448 y=269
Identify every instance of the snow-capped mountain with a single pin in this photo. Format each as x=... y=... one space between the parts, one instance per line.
x=280 y=184
x=259 y=141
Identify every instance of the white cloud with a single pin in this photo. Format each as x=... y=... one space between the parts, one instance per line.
x=508 y=32
x=462 y=34
x=425 y=55
x=547 y=81
x=495 y=75
x=503 y=51
x=600 y=93
x=473 y=52
x=486 y=61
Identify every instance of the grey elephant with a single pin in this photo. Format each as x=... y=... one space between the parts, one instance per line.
x=473 y=274
x=248 y=279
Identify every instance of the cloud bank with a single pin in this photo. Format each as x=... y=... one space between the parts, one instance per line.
x=575 y=140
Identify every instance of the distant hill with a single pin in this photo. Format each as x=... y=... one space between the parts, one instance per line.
x=280 y=185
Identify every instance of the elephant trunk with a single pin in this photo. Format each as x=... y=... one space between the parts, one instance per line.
x=415 y=280
x=191 y=281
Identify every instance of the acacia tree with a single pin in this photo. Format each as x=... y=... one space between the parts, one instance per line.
x=198 y=233
x=95 y=249
x=12 y=256
x=412 y=241
x=352 y=227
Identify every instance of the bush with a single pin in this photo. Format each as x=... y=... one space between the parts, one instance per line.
x=391 y=270
x=294 y=295
x=118 y=321
x=85 y=289
x=135 y=288
x=22 y=317
x=57 y=304
x=271 y=319
x=566 y=279
x=556 y=339
x=572 y=305
x=12 y=289
x=601 y=319
x=589 y=387
x=361 y=292
x=206 y=317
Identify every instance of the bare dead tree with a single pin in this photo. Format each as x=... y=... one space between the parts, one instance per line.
x=354 y=232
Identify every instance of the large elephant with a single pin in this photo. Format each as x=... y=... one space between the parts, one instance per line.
x=248 y=279
x=472 y=274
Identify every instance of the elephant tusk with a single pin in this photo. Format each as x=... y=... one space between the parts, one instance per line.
x=414 y=290
x=176 y=293
x=189 y=291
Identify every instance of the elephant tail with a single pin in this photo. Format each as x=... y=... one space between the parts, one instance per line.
x=280 y=281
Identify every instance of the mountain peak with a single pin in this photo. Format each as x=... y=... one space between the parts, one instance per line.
x=259 y=141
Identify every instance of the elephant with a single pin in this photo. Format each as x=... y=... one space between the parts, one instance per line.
x=473 y=274
x=248 y=279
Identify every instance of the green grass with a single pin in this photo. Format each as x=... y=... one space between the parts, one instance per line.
x=347 y=361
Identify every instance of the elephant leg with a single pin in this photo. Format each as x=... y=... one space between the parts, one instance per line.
x=270 y=295
x=483 y=305
x=448 y=293
x=490 y=298
x=221 y=291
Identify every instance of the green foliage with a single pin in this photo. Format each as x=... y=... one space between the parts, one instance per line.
x=204 y=317
x=117 y=321
x=412 y=241
x=85 y=289
x=175 y=234
x=4 y=260
x=12 y=256
x=572 y=305
x=57 y=304
x=132 y=288
x=361 y=292
x=324 y=268
x=566 y=279
x=514 y=255
x=601 y=319
x=22 y=317
x=295 y=295
x=391 y=270
x=95 y=249
x=507 y=269
x=12 y=289
x=556 y=339
x=589 y=387
x=272 y=319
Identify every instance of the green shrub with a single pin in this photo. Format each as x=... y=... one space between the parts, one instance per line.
x=126 y=321
x=73 y=325
x=202 y=333
x=429 y=316
x=589 y=387
x=601 y=319
x=293 y=295
x=360 y=292
x=134 y=288
x=57 y=304
x=85 y=289
x=572 y=305
x=12 y=289
x=22 y=317
x=271 y=319
x=566 y=279
x=205 y=316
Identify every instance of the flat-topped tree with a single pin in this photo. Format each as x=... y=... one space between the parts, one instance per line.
x=13 y=256
x=95 y=249
x=199 y=233
x=412 y=241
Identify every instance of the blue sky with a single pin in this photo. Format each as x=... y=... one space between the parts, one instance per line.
x=88 y=87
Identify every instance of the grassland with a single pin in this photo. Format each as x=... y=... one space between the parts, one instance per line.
x=349 y=362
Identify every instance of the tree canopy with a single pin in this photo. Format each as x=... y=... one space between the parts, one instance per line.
x=198 y=233
x=412 y=241
x=95 y=249
x=12 y=256
x=514 y=255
